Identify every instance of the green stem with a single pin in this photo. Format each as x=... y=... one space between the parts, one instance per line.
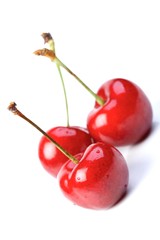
x=99 y=100
x=12 y=107
x=64 y=90
x=48 y=39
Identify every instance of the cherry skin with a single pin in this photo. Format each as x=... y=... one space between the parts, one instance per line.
x=98 y=181
x=126 y=116
x=72 y=139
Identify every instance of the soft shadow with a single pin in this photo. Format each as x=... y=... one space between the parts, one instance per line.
x=140 y=159
x=148 y=133
x=121 y=199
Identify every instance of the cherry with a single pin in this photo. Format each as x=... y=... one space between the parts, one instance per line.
x=126 y=116
x=98 y=181
x=72 y=138
x=96 y=178
x=122 y=114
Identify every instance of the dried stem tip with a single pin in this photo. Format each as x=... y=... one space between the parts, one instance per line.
x=49 y=40
x=46 y=53
x=46 y=37
x=12 y=107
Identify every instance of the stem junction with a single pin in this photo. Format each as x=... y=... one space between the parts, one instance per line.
x=50 y=53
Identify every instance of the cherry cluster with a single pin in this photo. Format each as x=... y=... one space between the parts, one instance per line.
x=90 y=170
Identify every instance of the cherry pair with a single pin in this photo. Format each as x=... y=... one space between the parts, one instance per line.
x=95 y=178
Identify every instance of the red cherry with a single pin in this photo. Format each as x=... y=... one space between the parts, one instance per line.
x=122 y=113
x=98 y=181
x=126 y=116
x=96 y=178
x=72 y=139
x=59 y=144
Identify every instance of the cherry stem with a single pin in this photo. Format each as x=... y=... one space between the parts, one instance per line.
x=49 y=40
x=65 y=94
x=12 y=107
x=51 y=54
x=99 y=100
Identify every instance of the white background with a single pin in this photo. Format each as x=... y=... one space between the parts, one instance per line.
x=98 y=40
